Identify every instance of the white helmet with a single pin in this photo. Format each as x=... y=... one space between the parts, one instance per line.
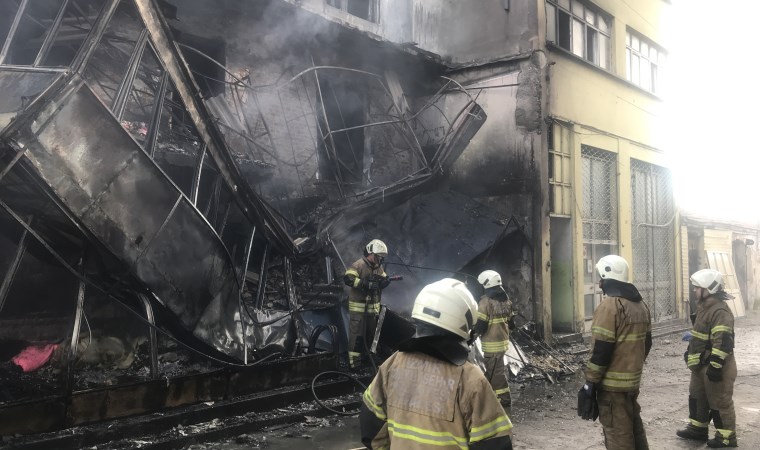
x=377 y=247
x=710 y=279
x=489 y=278
x=613 y=267
x=447 y=304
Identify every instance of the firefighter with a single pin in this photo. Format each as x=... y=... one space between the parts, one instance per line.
x=427 y=395
x=495 y=319
x=710 y=357
x=365 y=279
x=621 y=337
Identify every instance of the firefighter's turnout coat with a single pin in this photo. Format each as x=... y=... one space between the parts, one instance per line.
x=712 y=339
x=494 y=314
x=621 y=337
x=422 y=402
x=712 y=348
x=361 y=271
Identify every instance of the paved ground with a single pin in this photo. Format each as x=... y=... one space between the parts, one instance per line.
x=544 y=414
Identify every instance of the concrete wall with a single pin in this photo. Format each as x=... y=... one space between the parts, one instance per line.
x=583 y=93
x=458 y=31
x=500 y=165
x=601 y=109
x=466 y=31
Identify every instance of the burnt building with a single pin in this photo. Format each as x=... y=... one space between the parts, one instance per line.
x=183 y=183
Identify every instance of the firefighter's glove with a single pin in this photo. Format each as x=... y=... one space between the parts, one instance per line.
x=714 y=374
x=686 y=357
x=588 y=408
x=381 y=281
x=686 y=336
x=472 y=339
x=511 y=323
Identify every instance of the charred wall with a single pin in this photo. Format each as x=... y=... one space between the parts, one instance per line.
x=286 y=110
x=501 y=166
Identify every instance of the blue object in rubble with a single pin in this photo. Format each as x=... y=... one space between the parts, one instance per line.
x=686 y=336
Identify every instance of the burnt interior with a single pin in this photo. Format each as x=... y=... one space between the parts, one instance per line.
x=240 y=205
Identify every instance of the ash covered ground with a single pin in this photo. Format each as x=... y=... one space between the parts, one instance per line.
x=544 y=413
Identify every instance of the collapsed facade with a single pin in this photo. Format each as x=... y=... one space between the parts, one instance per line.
x=183 y=183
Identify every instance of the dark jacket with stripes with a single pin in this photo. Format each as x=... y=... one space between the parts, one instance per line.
x=712 y=338
x=621 y=337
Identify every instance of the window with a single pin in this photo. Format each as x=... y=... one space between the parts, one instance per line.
x=580 y=29
x=44 y=33
x=364 y=9
x=643 y=62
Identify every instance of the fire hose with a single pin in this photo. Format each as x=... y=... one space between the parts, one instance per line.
x=366 y=351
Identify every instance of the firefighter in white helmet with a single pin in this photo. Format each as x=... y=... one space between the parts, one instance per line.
x=710 y=357
x=427 y=395
x=621 y=337
x=495 y=319
x=366 y=279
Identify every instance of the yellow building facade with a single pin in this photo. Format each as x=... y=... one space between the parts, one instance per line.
x=610 y=189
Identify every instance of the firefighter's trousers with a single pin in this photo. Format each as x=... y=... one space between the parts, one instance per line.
x=360 y=333
x=713 y=399
x=496 y=374
x=620 y=416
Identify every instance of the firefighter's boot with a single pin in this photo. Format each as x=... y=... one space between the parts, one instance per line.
x=694 y=433
x=720 y=441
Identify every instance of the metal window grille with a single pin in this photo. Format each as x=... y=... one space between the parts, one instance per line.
x=653 y=238
x=599 y=196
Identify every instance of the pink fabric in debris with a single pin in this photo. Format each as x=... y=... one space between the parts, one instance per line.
x=34 y=356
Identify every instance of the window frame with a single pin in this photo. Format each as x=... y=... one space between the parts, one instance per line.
x=373 y=12
x=50 y=37
x=576 y=13
x=655 y=67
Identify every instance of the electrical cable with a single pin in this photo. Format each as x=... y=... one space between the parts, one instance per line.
x=335 y=372
x=431 y=268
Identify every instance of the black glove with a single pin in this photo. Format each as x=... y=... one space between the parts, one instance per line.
x=686 y=357
x=472 y=338
x=380 y=281
x=714 y=374
x=511 y=323
x=588 y=408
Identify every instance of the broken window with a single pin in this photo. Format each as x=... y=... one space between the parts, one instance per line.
x=580 y=29
x=364 y=9
x=140 y=104
x=209 y=188
x=643 y=61
x=341 y=154
x=177 y=146
x=107 y=67
x=45 y=32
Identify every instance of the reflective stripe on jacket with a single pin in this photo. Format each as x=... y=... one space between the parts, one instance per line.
x=712 y=338
x=496 y=314
x=430 y=403
x=362 y=270
x=620 y=335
